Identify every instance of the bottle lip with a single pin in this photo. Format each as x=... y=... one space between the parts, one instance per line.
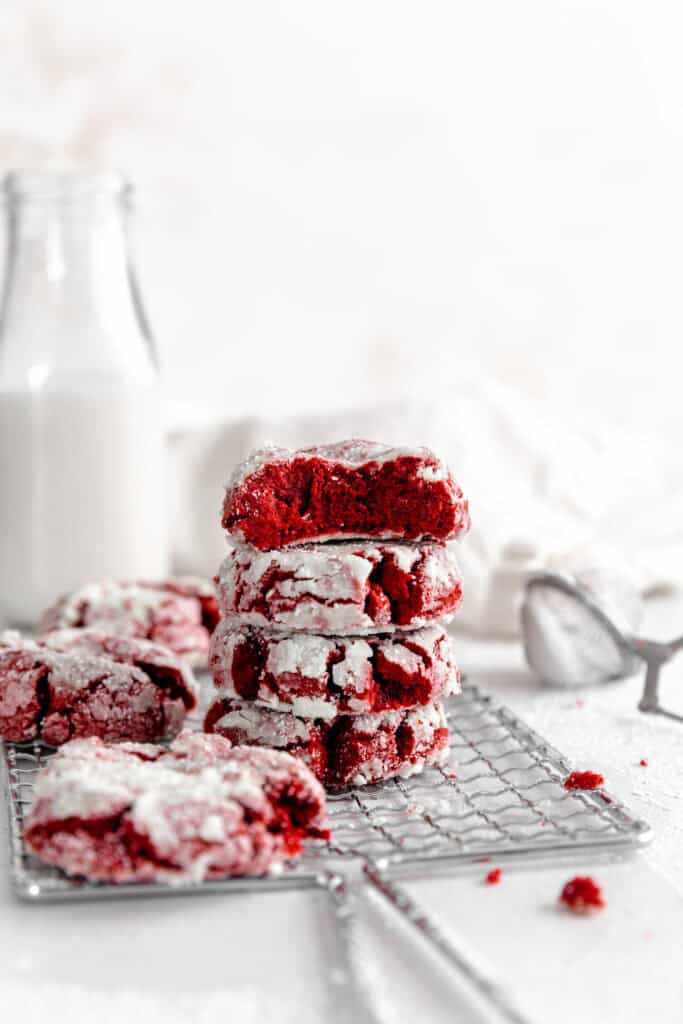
x=25 y=184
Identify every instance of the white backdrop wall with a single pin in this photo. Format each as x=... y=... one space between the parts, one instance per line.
x=340 y=201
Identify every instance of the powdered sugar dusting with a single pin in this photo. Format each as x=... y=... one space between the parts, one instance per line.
x=208 y=792
x=171 y=612
x=339 y=588
x=353 y=453
x=266 y=727
x=350 y=749
x=432 y=473
x=320 y=677
x=128 y=650
x=303 y=655
x=85 y=682
x=353 y=671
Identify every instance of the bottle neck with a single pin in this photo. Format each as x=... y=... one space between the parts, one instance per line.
x=70 y=300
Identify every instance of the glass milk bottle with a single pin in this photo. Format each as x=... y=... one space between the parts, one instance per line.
x=81 y=430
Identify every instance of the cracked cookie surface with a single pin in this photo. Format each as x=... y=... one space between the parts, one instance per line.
x=77 y=683
x=198 y=809
x=323 y=676
x=179 y=613
x=349 y=750
x=352 y=587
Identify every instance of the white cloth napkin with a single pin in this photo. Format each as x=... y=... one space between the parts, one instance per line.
x=544 y=491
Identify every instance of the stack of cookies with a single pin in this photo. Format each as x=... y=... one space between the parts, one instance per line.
x=333 y=595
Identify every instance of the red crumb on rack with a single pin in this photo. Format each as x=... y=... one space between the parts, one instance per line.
x=493 y=877
x=582 y=895
x=643 y=762
x=583 y=780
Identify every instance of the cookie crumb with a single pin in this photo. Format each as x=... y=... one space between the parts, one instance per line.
x=583 y=780
x=643 y=762
x=582 y=895
x=494 y=876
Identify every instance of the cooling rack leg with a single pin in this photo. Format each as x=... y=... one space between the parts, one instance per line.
x=450 y=947
x=353 y=991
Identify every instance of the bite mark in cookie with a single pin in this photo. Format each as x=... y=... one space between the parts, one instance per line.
x=354 y=488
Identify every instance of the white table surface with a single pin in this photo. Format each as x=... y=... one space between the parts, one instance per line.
x=250 y=958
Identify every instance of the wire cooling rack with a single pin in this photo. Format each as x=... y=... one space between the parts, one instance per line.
x=500 y=793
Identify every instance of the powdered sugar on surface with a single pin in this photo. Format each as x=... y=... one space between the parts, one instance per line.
x=145 y=654
x=367 y=743
x=325 y=588
x=423 y=721
x=169 y=611
x=319 y=677
x=265 y=726
x=205 y=790
x=432 y=473
x=304 y=655
x=84 y=682
x=353 y=453
x=353 y=671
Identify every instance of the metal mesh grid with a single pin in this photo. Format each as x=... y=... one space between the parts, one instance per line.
x=500 y=793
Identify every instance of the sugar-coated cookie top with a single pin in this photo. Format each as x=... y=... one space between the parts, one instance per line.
x=179 y=613
x=90 y=779
x=77 y=657
x=353 y=453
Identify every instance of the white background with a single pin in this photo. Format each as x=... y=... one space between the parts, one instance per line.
x=339 y=201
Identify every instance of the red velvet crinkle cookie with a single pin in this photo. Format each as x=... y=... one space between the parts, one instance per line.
x=199 y=809
x=323 y=676
x=278 y=497
x=83 y=682
x=340 y=588
x=179 y=613
x=348 y=750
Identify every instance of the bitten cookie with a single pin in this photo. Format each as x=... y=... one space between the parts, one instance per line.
x=354 y=488
x=179 y=613
x=350 y=750
x=322 y=677
x=342 y=588
x=200 y=809
x=87 y=683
